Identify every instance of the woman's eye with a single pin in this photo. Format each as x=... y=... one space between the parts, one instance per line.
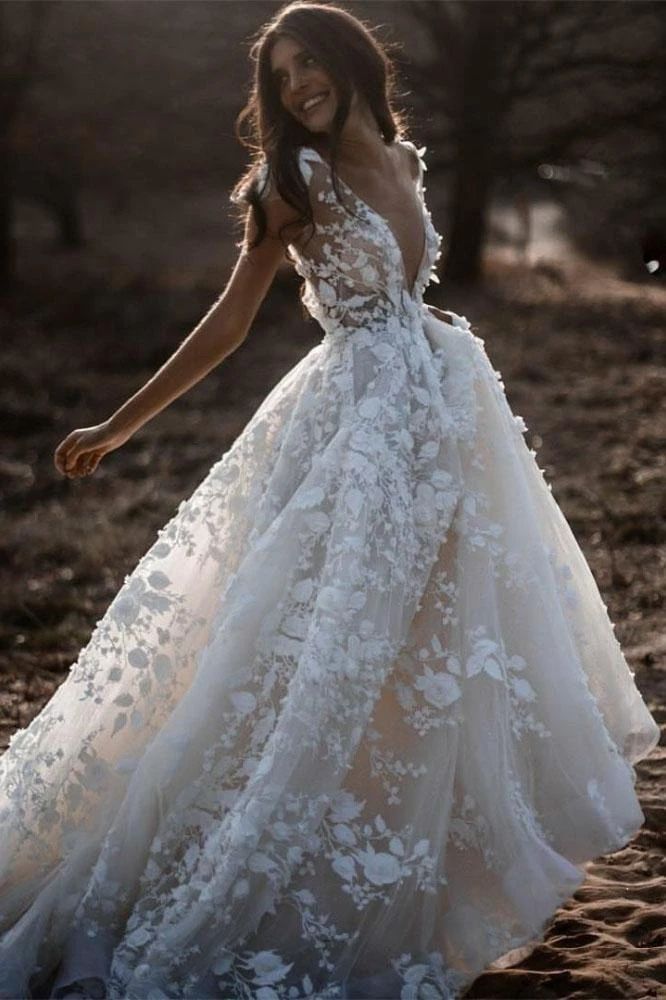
x=305 y=61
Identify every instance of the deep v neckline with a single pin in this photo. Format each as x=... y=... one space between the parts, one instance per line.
x=382 y=219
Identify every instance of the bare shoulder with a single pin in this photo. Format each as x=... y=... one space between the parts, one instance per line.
x=282 y=219
x=280 y=214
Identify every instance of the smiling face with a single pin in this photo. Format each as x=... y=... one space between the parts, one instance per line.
x=305 y=89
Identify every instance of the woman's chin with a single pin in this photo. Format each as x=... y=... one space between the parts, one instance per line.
x=317 y=122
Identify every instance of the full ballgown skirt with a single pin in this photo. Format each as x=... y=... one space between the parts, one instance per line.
x=358 y=718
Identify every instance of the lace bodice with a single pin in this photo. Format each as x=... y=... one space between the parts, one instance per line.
x=352 y=264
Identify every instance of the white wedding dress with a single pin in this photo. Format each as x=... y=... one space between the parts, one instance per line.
x=357 y=719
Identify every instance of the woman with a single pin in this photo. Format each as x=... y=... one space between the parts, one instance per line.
x=358 y=717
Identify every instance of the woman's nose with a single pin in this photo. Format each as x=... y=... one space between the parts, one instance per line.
x=295 y=82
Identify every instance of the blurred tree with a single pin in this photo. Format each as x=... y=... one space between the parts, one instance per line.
x=517 y=83
x=132 y=108
x=18 y=63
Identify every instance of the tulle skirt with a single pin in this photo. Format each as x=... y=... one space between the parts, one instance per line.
x=350 y=728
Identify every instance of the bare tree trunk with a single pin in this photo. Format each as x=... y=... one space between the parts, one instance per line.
x=6 y=246
x=17 y=69
x=6 y=239
x=477 y=123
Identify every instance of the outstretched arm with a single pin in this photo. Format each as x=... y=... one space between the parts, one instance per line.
x=217 y=335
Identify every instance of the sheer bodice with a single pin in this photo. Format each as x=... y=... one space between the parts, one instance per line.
x=353 y=266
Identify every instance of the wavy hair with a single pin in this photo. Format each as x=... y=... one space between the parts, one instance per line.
x=354 y=59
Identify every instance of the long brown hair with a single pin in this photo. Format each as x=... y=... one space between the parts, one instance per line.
x=347 y=50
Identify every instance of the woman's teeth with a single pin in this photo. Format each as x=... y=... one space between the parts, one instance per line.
x=313 y=102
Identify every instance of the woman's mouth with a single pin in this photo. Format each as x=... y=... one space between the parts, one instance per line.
x=313 y=102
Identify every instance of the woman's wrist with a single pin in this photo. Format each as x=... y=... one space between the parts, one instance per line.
x=120 y=424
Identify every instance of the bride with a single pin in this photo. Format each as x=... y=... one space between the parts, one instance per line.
x=356 y=721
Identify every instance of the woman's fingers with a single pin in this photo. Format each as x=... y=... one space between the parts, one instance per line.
x=59 y=457
x=81 y=451
x=73 y=460
x=84 y=465
x=66 y=453
x=91 y=463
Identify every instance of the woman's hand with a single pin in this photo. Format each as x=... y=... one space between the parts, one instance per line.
x=81 y=451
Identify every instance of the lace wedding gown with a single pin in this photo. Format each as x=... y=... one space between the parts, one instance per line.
x=357 y=719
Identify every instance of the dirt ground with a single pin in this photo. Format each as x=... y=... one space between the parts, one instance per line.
x=582 y=357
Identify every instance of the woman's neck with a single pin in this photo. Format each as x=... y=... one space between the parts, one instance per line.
x=360 y=143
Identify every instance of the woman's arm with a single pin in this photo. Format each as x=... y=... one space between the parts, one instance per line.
x=217 y=335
